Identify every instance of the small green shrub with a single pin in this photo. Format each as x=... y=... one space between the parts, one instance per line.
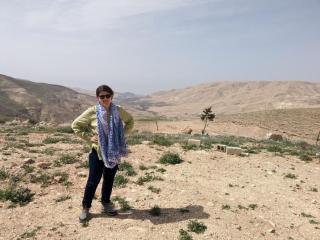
x=305 y=157
x=306 y=215
x=62 y=177
x=188 y=147
x=154 y=190
x=124 y=205
x=41 y=177
x=291 y=175
x=170 y=158
x=162 y=140
x=28 y=168
x=143 y=167
x=127 y=167
x=161 y=170
x=64 y=130
x=148 y=177
x=29 y=234
x=67 y=159
x=120 y=181
x=48 y=151
x=197 y=227
x=155 y=211
x=50 y=140
x=63 y=198
x=274 y=148
x=184 y=235
x=17 y=195
x=84 y=164
x=225 y=207
x=253 y=206
x=3 y=174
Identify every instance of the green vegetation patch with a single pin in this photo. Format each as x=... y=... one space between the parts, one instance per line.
x=17 y=195
x=170 y=158
x=128 y=168
x=197 y=227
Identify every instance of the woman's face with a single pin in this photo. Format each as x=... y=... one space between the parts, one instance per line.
x=105 y=99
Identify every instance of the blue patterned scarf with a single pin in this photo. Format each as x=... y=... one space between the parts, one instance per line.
x=110 y=136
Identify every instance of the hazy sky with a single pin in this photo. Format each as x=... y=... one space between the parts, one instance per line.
x=144 y=46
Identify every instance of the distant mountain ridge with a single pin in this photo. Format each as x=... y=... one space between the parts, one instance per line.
x=234 y=97
x=53 y=103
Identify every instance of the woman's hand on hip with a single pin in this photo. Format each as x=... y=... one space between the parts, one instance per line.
x=94 y=139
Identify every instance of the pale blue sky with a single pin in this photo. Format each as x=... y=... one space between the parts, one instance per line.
x=144 y=46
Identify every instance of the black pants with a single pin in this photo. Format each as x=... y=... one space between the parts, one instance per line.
x=96 y=169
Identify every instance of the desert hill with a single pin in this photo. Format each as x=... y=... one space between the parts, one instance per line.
x=40 y=101
x=233 y=97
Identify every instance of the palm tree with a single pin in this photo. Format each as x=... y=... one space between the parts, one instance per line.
x=206 y=116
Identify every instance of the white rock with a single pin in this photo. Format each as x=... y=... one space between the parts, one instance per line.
x=234 y=151
x=194 y=142
x=28 y=161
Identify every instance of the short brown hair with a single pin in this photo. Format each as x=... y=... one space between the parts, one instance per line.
x=104 y=88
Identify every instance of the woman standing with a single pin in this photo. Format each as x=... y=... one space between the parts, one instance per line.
x=102 y=125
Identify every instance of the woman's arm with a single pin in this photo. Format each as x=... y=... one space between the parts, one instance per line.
x=127 y=119
x=81 y=125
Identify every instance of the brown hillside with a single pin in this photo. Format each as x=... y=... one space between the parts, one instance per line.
x=234 y=97
x=40 y=101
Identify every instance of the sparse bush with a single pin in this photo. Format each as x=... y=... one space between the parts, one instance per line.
x=120 y=181
x=306 y=215
x=184 y=235
x=63 y=198
x=84 y=164
x=253 y=206
x=154 y=189
x=62 y=177
x=162 y=140
x=147 y=178
x=161 y=170
x=225 y=207
x=170 y=158
x=290 y=175
x=42 y=178
x=143 y=167
x=155 y=211
x=125 y=166
x=313 y=189
x=64 y=130
x=28 y=168
x=197 y=227
x=67 y=159
x=124 y=205
x=29 y=234
x=188 y=147
x=3 y=174
x=50 y=140
x=274 y=148
x=21 y=196
x=305 y=157
x=48 y=151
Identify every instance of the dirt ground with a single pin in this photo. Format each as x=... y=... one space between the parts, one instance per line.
x=235 y=197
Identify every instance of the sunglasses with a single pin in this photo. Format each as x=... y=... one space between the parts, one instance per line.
x=105 y=96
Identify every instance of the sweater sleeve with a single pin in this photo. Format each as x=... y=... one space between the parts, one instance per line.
x=127 y=119
x=81 y=125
